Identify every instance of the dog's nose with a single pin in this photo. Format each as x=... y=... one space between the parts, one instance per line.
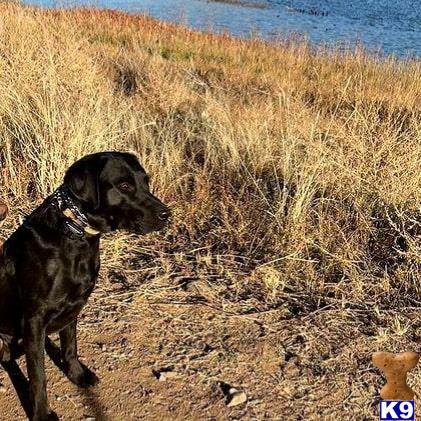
x=164 y=215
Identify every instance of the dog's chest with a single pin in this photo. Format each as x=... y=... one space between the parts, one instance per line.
x=73 y=283
x=68 y=311
x=72 y=300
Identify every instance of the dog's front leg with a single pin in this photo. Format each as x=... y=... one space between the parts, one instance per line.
x=33 y=340
x=77 y=372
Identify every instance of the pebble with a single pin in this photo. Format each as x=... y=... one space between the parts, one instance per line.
x=167 y=375
x=236 y=397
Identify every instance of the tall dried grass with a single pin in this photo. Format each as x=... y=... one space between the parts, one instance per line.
x=293 y=172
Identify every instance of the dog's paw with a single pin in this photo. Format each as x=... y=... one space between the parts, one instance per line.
x=89 y=378
x=51 y=416
x=82 y=376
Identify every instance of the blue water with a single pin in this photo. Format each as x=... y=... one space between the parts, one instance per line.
x=384 y=26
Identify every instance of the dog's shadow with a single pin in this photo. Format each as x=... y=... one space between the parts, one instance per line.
x=21 y=384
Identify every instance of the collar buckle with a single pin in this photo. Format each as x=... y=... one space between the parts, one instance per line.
x=71 y=229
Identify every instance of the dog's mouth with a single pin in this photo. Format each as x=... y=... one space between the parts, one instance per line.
x=145 y=227
x=149 y=228
x=144 y=224
x=142 y=227
x=156 y=222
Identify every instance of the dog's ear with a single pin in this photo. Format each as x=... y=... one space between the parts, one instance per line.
x=82 y=178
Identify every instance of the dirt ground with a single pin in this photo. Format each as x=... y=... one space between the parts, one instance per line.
x=291 y=364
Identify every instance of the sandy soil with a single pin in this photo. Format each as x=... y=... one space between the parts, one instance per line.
x=310 y=365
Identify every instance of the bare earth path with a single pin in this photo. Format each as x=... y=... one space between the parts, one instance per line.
x=291 y=367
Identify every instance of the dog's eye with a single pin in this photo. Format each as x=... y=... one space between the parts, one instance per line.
x=125 y=186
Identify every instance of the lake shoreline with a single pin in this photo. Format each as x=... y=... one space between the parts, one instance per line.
x=281 y=41
x=319 y=23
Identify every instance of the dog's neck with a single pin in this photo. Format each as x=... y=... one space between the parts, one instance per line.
x=77 y=223
x=87 y=228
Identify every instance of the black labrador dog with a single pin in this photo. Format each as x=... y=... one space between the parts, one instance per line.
x=50 y=263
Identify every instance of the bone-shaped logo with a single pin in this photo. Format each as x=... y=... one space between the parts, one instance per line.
x=395 y=368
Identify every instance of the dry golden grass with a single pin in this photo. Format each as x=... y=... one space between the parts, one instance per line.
x=284 y=163
x=294 y=174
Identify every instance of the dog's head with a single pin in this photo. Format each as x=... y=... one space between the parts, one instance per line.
x=113 y=190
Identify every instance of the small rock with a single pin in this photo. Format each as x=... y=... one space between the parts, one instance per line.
x=167 y=375
x=236 y=397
